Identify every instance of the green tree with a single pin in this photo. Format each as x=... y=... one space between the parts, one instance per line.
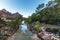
x=17 y=21
x=57 y=1
x=37 y=26
x=40 y=6
x=50 y=3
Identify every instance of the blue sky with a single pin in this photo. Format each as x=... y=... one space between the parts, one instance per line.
x=24 y=7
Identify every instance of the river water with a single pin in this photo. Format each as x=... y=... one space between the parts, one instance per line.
x=24 y=28
x=19 y=34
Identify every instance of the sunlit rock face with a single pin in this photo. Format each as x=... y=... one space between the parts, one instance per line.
x=6 y=14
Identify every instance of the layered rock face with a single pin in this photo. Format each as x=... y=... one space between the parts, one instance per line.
x=6 y=14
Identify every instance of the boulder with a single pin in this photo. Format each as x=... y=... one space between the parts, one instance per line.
x=34 y=37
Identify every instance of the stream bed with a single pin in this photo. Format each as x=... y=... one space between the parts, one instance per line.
x=22 y=33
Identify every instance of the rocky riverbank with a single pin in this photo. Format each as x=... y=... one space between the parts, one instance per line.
x=43 y=35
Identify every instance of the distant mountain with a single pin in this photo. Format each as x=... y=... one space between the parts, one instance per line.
x=6 y=14
x=17 y=14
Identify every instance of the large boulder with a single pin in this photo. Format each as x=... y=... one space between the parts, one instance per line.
x=34 y=37
x=24 y=32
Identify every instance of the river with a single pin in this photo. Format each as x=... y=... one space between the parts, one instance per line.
x=20 y=34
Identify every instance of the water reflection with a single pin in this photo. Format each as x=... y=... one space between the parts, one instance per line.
x=25 y=29
x=23 y=26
